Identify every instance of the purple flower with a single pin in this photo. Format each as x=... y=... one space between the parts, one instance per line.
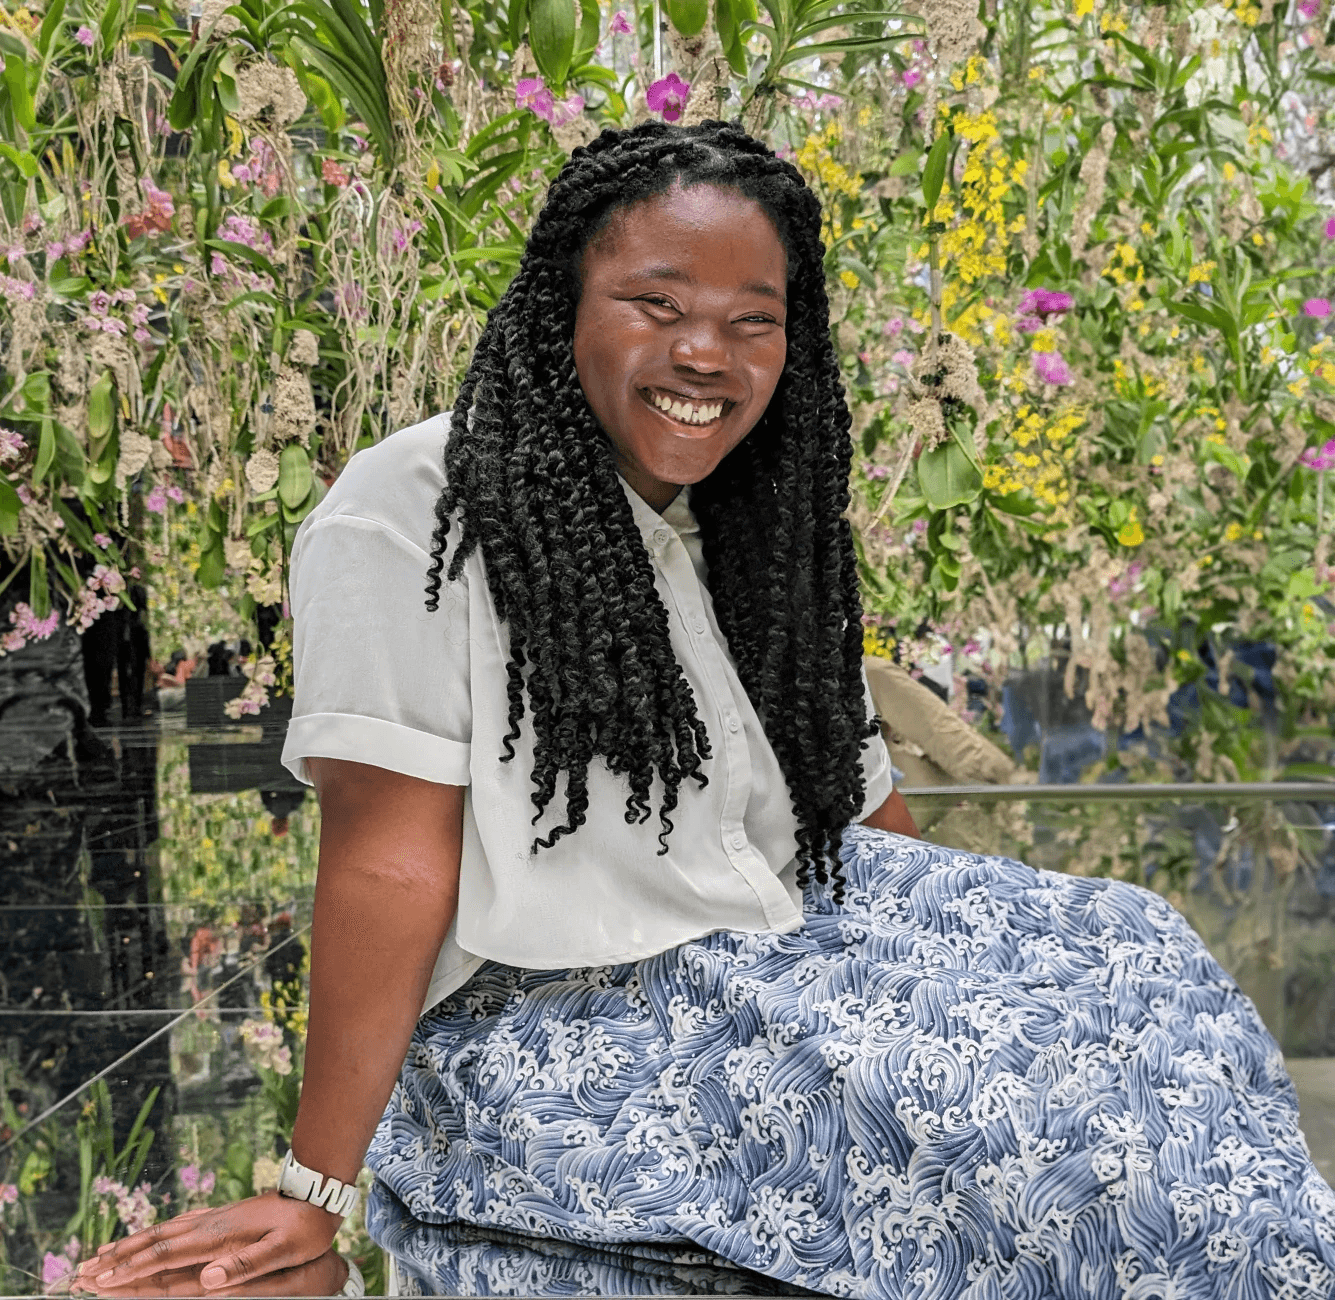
x=1308 y=9
x=1051 y=368
x=910 y=77
x=141 y=335
x=102 y=540
x=156 y=500
x=175 y=494
x=892 y=327
x=54 y=1268
x=98 y=302
x=12 y=445
x=620 y=23
x=55 y=251
x=1319 y=458
x=1045 y=302
x=668 y=96
x=532 y=93
x=84 y=36
x=1330 y=227
x=1318 y=307
x=567 y=110
x=902 y=358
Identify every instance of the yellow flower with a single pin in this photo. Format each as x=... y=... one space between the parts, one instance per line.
x=1233 y=532
x=1185 y=656
x=1206 y=560
x=1131 y=533
x=1083 y=8
x=1258 y=239
x=1229 y=171
x=1200 y=273
x=1045 y=340
x=225 y=177
x=178 y=268
x=849 y=279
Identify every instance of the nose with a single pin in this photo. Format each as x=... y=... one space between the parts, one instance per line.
x=701 y=345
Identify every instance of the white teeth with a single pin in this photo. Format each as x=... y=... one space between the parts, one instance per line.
x=685 y=412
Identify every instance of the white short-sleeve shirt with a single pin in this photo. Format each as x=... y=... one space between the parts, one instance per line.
x=381 y=680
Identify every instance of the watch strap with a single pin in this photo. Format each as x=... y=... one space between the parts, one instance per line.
x=303 y=1184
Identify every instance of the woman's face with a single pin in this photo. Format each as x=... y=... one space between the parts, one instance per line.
x=679 y=336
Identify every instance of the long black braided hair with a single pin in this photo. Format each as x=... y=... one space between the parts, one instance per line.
x=533 y=480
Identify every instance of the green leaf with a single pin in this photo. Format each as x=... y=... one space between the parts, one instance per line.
x=934 y=172
x=517 y=22
x=552 y=34
x=906 y=164
x=39 y=589
x=46 y=452
x=948 y=477
x=590 y=19
x=10 y=505
x=16 y=78
x=21 y=159
x=294 y=475
x=50 y=25
x=688 y=16
x=101 y=410
x=212 y=562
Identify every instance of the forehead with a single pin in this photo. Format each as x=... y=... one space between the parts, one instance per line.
x=699 y=223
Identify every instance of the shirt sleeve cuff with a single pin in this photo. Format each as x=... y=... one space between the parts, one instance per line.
x=880 y=778
x=376 y=742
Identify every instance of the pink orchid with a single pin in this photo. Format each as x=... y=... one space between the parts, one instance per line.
x=620 y=23
x=668 y=96
x=1317 y=307
x=1051 y=368
x=910 y=77
x=532 y=93
x=567 y=110
x=1319 y=458
x=1045 y=302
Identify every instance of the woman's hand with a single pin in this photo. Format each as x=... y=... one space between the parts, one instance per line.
x=267 y=1245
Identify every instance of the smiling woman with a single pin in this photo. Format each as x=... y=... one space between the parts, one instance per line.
x=781 y=1029
x=681 y=311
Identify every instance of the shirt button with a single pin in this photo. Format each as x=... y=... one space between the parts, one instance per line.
x=661 y=536
x=733 y=722
x=699 y=625
x=739 y=841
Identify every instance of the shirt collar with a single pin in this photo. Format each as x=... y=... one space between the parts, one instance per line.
x=677 y=515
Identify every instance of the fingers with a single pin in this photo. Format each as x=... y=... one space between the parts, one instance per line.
x=322 y=1276
x=212 y=1251
x=153 y=1244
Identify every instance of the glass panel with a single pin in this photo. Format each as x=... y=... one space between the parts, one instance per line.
x=154 y=929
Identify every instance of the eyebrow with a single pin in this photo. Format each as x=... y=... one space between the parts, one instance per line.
x=668 y=272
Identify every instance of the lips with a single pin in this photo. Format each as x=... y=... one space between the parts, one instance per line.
x=687 y=409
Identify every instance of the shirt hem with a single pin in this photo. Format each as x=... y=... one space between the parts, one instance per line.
x=791 y=926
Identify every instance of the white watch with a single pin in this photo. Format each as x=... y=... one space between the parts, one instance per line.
x=303 y=1184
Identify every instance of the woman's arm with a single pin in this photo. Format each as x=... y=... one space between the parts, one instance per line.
x=893 y=815
x=385 y=896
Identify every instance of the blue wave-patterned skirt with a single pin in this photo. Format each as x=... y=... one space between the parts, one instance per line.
x=969 y=1079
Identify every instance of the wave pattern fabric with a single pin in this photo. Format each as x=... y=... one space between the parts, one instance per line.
x=969 y=1079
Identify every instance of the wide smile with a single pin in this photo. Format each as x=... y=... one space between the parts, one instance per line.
x=687 y=413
